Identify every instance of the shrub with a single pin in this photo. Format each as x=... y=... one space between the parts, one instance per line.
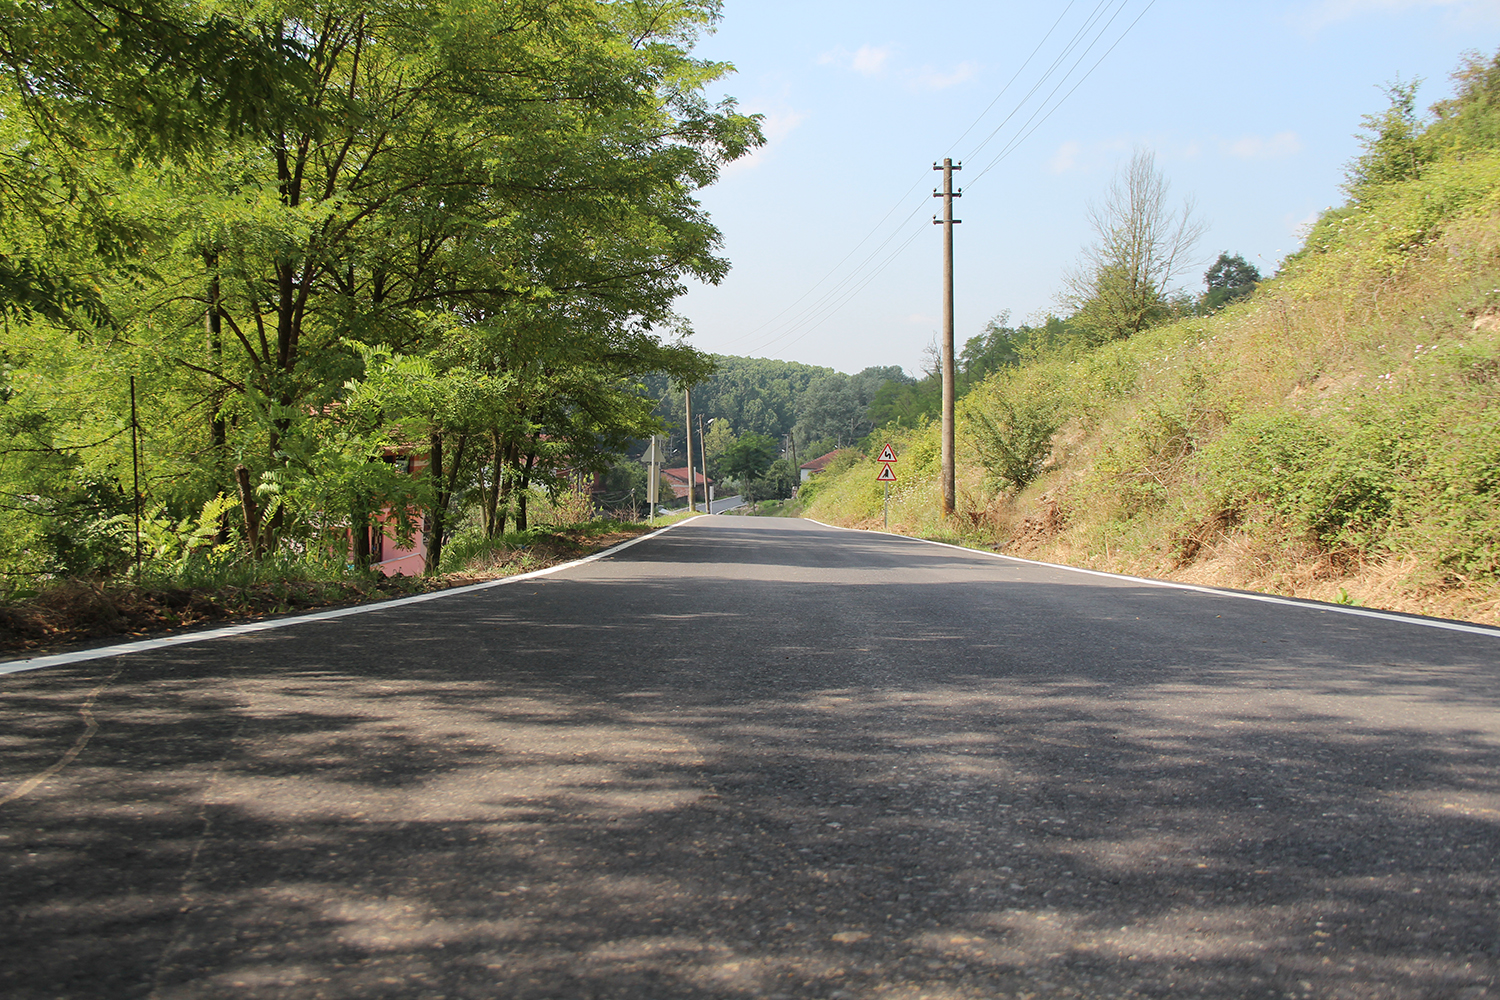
x=1011 y=419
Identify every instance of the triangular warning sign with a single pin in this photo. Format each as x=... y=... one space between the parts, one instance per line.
x=887 y=475
x=886 y=455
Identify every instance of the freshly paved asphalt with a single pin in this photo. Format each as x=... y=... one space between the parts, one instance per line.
x=763 y=758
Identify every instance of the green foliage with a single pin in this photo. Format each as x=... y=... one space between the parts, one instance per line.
x=780 y=480
x=1469 y=121
x=749 y=457
x=1230 y=277
x=745 y=395
x=1392 y=141
x=904 y=404
x=1011 y=419
x=999 y=346
x=330 y=235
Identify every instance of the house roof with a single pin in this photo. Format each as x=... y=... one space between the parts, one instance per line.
x=821 y=462
x=678 y=480
x=680 y=476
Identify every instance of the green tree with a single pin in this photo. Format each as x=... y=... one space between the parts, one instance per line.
x=1231 y=277
x=1393 y=149
x=998 y=346
x=1469 y=121
x=504 y=191
x=1123 y=283
x=1011 y=419
x=749 y=457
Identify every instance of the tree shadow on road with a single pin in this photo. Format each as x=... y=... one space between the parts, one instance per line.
x=894 y=805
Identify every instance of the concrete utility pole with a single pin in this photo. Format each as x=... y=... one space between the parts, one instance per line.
x=708 y=497
x=687 y=406
x=947 y=222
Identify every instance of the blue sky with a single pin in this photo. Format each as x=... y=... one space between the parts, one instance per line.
x=1251 y=109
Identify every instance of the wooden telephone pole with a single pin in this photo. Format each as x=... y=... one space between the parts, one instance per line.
x=947 y=222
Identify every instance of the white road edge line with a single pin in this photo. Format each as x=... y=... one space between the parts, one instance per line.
x=1338 y=609
x=145 y=645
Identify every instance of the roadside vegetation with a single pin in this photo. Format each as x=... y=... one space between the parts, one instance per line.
x=273 y=277
x=1332 y=433
x=79 y=611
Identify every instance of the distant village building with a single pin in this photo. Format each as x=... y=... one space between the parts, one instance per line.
x=678 y=478
x=817 y=465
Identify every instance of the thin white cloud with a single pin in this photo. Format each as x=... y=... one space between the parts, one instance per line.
x=1254 y=147
x=880 y=60
x=867 y=60
x=930 y=79
x=776 y=125
x=1328 y=12
x=1066 y=157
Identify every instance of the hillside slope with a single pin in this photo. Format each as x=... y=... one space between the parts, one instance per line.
x=1336 y=436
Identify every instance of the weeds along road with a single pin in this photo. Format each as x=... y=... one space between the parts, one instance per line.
x=763 y=758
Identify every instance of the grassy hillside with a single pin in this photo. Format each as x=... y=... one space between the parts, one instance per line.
x=1335 y=436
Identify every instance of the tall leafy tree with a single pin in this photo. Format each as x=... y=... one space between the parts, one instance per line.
x=504 y=189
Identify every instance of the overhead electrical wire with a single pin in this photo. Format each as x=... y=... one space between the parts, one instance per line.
x=1014 y=77
x=811 y=324
x=831 y=271
x=806 y=318
x=1011 y=146
x=839 y=289
x=799 y=320
x=1058 y=60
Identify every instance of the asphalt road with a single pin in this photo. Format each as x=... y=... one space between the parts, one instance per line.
x=761 y=758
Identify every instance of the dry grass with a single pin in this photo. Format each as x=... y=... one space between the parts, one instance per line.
x=1127 y=488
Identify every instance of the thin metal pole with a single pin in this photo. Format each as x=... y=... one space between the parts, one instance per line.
x=135 y=468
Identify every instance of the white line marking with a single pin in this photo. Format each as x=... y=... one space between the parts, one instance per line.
x=145 y=645
x=1291 y=602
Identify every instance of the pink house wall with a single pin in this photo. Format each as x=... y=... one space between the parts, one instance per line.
x=387 y=554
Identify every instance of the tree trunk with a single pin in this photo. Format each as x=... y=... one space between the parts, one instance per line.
x=522 y=489
x=359 y=532
x=443 y=485
x=218 y=431
x=434 y=526
x=251 y=509
x=492 y=509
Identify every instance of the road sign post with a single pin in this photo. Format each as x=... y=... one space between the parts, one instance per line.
x=887 y=476
x=653 y=458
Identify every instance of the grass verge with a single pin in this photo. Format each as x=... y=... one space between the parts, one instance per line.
x=68 y=614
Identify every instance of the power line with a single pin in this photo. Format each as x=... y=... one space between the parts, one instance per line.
x=1014 y=143
x=838 y=294
x=1013 y=78
x=1094 y=28
x=849 y=296
x=1057 y=61
x=832 y=270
